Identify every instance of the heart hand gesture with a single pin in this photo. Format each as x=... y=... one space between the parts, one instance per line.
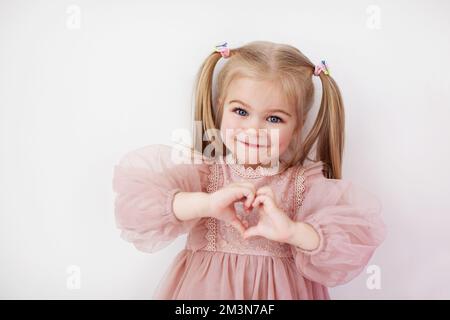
x=274 y=224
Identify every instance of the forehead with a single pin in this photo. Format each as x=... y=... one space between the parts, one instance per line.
x=260 y=94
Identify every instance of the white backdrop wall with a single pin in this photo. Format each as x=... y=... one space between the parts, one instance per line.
x=83 y=82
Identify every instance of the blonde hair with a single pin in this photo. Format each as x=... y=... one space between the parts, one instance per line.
x=292 y=71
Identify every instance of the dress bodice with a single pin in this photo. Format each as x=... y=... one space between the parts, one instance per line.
x=222 y=236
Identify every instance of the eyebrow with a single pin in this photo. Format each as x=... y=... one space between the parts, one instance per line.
x=248 y=106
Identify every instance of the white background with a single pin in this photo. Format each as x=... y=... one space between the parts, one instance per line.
x=83 y=82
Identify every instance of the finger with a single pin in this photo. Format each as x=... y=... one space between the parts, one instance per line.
x=265 y=190
x=247 y=184
x=238 y=192
x=251 y=232
x=257 y=201
x=248 y=202
x=261 y=199
x=248 y=192
x=265 y=200
x=251 y=195
x=243 y=221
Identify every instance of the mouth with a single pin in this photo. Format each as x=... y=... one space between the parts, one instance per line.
x=252 y=145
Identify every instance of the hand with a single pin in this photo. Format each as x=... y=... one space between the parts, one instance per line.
x=274 y=223
x=221 y=203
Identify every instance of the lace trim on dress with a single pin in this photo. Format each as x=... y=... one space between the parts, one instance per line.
x=299 y=186
x=299 y=197
x=211 y=225
x=249 y=172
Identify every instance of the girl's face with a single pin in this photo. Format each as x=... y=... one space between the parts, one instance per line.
x=257 y=122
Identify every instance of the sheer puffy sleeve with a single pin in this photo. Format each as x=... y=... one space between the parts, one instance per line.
x=348 y=221
x=145 y=182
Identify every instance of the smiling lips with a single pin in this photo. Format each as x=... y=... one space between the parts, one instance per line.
x=251 y=145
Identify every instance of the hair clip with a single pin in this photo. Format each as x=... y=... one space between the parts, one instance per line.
x=321 y=67
x=223 y=49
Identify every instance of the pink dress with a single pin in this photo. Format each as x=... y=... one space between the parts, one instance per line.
x=217 y=263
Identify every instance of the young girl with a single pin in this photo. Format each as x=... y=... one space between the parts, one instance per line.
x=277 y=225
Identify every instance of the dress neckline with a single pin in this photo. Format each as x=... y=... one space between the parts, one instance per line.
x=249 y=172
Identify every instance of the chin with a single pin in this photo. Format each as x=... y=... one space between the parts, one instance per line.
x=252 y=154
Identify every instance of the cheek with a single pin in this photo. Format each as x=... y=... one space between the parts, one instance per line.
x=229 y=121
x=285 y=136
x=227 y=129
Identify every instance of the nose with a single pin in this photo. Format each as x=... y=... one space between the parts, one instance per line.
x=254 y=124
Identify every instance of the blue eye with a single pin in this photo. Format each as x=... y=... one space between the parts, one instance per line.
x=243 y=113
x=277 y=119
x=240 y=112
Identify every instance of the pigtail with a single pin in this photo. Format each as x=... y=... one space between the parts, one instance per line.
x=328 y=129
x=204 y=103
x=293 y=70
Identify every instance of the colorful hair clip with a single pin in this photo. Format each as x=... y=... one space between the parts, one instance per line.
x=223 y=49
x=321 y=67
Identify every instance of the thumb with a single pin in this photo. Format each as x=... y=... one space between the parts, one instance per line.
x=239 y=226
x=251 y=232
